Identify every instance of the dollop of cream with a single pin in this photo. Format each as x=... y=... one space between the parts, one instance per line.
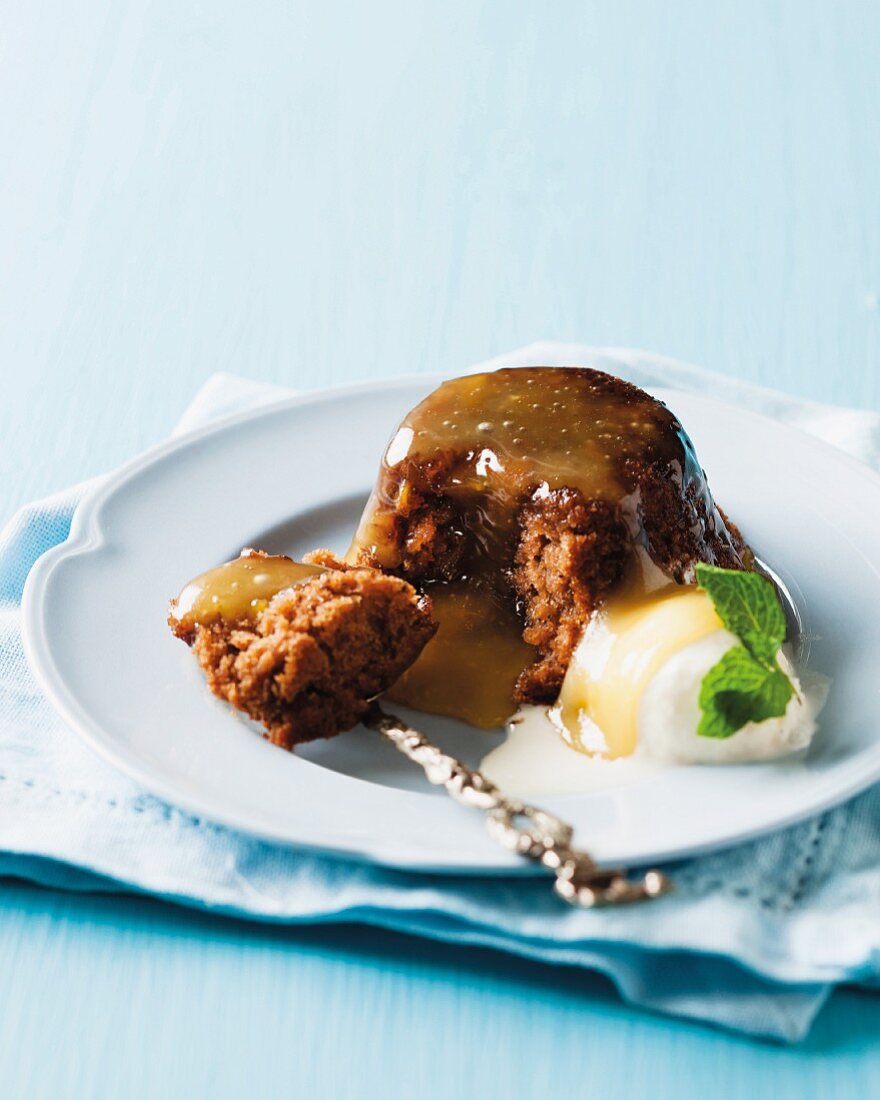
x=630 y=705
x=621 y=651
x=669 y=712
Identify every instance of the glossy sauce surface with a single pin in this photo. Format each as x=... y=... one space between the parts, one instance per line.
x=469 y=668
x=237 y=591
x=500 y=438
x=516 y=432
x=623 y=647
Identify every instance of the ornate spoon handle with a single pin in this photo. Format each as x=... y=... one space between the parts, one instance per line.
x=523 y=829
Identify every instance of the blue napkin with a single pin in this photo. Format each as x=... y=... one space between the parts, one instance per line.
x=753 y=939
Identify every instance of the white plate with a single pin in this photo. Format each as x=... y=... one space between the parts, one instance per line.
x=295 y=476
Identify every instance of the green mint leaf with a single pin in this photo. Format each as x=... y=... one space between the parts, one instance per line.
x=726 y=691
x=716 y=722
x=739 y=689
x=772 y=699
x=748 y=606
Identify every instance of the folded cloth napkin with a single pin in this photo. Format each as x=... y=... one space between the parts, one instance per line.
x=753 y=939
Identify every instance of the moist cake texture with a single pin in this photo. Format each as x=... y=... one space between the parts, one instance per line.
x=301 y=649
x=534 y=493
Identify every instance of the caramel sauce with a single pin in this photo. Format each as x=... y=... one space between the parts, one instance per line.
x=518 y=432
x=469 y=668
x=237 y=591
x=622 y=649
x=487 y=443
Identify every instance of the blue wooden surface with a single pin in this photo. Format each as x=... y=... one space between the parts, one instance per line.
x=319 y=193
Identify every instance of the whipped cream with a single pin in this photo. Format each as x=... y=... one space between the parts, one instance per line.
x=638 y=674
x=669 y=712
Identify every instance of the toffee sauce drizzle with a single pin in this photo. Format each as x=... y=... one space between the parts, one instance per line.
x=487 y=443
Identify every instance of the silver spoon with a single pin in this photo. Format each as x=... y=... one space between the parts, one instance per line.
x=529 y=831
x=517 y=826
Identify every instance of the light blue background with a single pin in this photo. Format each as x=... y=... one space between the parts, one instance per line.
x=328 y=192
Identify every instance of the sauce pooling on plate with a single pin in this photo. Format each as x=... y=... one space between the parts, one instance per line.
x=237 y=591
x=469 y=668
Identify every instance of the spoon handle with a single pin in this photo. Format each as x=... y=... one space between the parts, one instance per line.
x=517 y=826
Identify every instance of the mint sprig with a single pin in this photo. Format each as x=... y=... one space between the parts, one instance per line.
x=746 y=684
